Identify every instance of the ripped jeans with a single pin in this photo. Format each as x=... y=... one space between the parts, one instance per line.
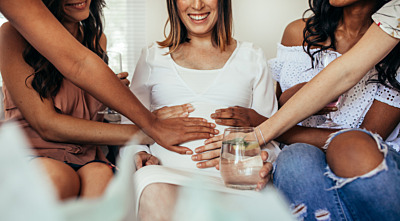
x=316 y=193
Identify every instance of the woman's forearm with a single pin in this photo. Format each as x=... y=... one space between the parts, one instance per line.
x=68 y=129
x=337 y=78
x=308 y=135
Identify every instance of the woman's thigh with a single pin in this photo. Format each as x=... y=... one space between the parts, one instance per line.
x=94 y=179
x=299 y=175
x=63 y=177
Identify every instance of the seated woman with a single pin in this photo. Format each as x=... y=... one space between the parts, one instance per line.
x=61 y=120
x=368 y=105
x=198 y=63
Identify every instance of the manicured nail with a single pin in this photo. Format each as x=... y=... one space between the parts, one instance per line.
x=199 y=165
x=189 y=152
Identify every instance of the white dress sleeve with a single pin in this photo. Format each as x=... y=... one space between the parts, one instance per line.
x=140 y=88
x=388 y=18
x=264 y=99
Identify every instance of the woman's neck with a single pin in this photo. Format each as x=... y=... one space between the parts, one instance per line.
x=355 y=22
x=72 y=28
x=357 y=18
x=201 y=41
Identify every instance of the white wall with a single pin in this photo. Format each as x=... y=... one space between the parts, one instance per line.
x=259 y=21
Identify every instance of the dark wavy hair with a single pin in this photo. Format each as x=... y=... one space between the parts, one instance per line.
x=47 y=79
x=221 y=34
x=321 y=26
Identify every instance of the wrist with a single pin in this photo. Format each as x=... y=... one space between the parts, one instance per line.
x=260 y=136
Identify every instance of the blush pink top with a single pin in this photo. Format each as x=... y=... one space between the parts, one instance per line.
x=72 y=101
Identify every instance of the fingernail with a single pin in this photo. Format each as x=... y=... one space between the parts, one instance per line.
x=189 y=152
x=190 y=108
x=206 y=142
x=212 y=115
x=334 y=109
x=218 y=121
x=217 y=111
x=263 y=174
x=199 y=165
x=197 y=150
x=216 y=131
x=194 y=157
x=213 y=125
x=185 y=114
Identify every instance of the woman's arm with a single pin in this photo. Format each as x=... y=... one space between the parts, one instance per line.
x=41 y=114
x=338 y=77
x=86 y=70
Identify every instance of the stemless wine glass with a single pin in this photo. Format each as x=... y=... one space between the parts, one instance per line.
x=114 y=61
x=325 y=58
x=241 y=160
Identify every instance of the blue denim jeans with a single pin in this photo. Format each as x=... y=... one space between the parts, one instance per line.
x=316 y=193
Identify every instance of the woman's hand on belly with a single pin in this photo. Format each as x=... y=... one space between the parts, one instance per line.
x=238 y=117
x=209 y=153
x=174 y=111
x=145 y=159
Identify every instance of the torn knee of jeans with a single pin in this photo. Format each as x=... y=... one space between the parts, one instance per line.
x=322 y=215
x=299 y=211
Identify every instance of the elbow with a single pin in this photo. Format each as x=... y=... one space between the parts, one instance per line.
x=45 y=133
x=45 y=130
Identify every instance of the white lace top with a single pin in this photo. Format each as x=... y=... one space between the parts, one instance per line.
x=293 y=66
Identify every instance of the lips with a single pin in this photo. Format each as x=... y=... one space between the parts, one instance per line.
x=199 y=17
x=77 y=5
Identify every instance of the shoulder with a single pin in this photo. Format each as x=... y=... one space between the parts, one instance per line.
x=10 y=38
x=293 y=34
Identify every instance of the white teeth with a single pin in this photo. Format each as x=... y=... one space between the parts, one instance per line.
x=198 y=17
x=77 y=4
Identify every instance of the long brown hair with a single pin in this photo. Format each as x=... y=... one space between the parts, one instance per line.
x=221 y=33
x=47 y=79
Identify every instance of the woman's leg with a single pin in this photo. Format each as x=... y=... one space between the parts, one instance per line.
x=63 y=177
x=367 y=175
x=157 y=202
x=94 y=179
x=299 y=175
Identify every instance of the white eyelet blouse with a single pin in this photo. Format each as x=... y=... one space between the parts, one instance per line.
x=293 y=66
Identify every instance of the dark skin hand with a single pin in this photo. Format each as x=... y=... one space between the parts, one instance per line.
x=238 y=117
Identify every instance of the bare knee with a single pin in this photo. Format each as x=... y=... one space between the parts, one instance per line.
x=353 y=153
x=63 y=177
x=157 y=202
x=94 y=179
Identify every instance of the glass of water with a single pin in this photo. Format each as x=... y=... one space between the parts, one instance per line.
x=114 y=60
x=241 y=160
